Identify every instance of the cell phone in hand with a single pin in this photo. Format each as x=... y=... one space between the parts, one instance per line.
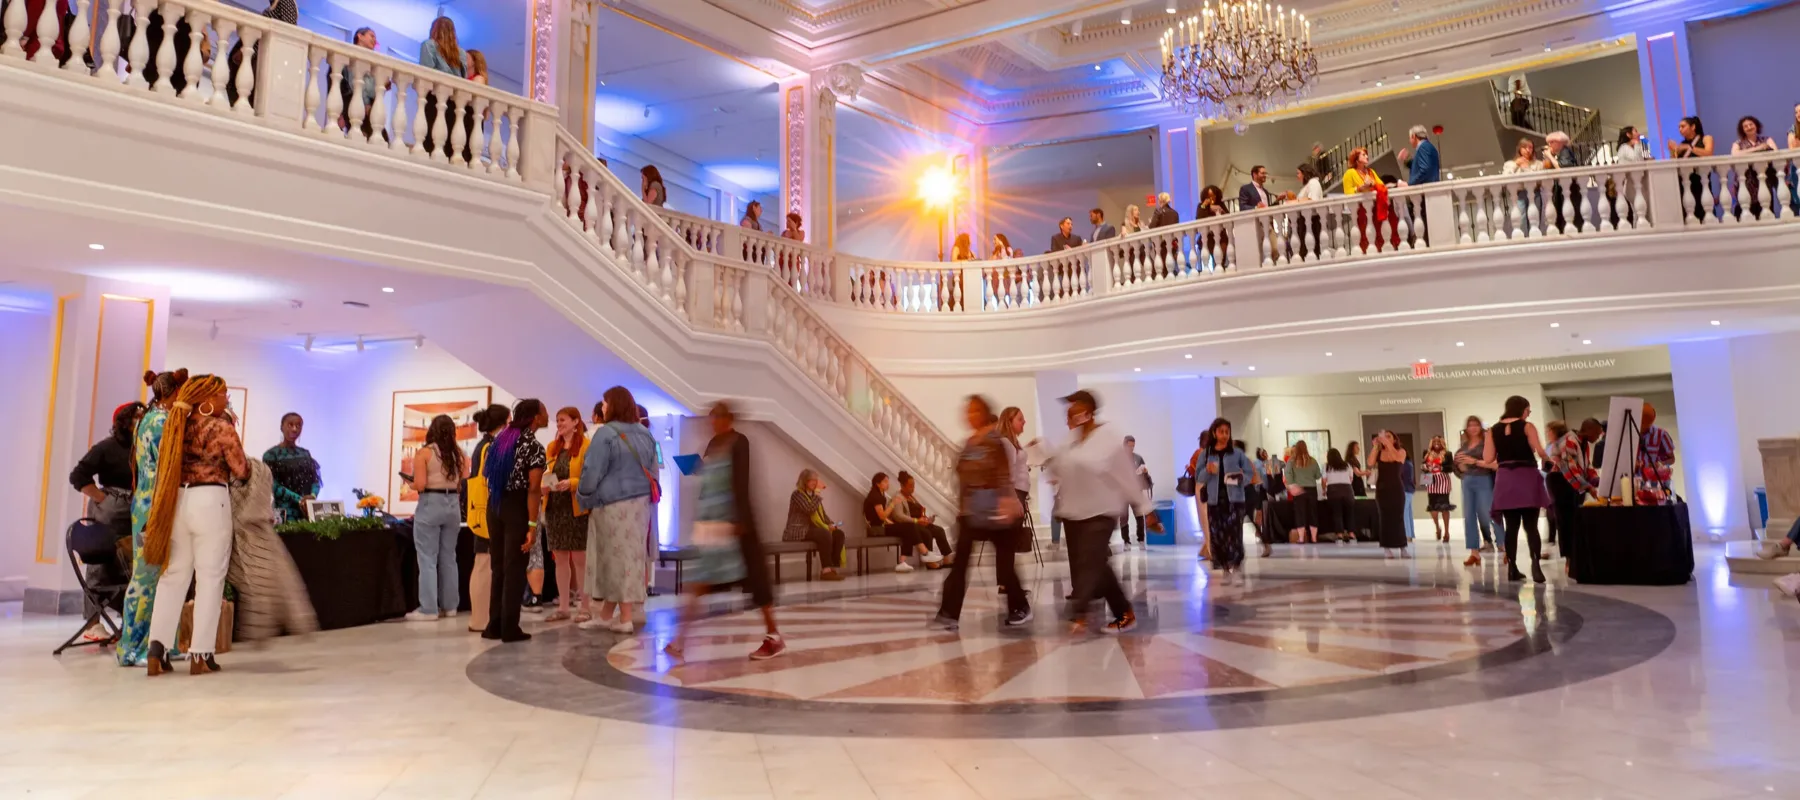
x=1234 y=478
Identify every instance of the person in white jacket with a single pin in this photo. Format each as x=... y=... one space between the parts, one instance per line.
x=1097 y=478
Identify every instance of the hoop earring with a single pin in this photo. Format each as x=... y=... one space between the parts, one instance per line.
x=205 y=409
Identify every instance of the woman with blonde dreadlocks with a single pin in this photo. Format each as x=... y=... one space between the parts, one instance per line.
x=190 y=532
x=134 y=627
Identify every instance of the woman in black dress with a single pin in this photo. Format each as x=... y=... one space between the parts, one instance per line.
x=1389 y=494
x=1353 y=457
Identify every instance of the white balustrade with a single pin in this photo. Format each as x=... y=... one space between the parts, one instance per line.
x=1038 y=281
x=912 y=288
x=807 y=269
x=1737 y=190
x=1170 y=254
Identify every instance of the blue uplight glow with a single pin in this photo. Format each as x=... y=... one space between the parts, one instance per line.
x=756 y=177
x=626 y=115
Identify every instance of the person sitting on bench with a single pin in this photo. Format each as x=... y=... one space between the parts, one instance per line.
x=808 y=522
x=918 y=529
x=879 y=513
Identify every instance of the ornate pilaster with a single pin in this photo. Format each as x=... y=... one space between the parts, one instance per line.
x=809 y=146
x=560 y=60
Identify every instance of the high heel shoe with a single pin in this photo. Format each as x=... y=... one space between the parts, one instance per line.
x=1537 y=575
x=1474 y=560
x=158 y=661
x=202 y=663
x=1513 y=574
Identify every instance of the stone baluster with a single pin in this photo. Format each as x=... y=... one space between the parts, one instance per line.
x=478 y=145
x=357 y=113
x=1584 y=208
x=1746 y=173
x=337 y=68
x=312 y=96
x=48 y=30
x=13 y=46
x=191 y=63
x=424 y=106
x=245 y=84
x=139 y=54
x=456 y=106
x=402 y=121
x=163 y=58
x=379 y=135
x=81 y=35
x=1784 y=194
x=1709 y=200
x=108 y=57
x=223 y=28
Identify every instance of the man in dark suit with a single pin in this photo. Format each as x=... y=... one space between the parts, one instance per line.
x=1165 y=213
x=1065 y=238
x=1254 y=195
x=1103 y=230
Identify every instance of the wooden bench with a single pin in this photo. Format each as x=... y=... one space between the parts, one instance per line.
x=864 y=545
x=775 y=550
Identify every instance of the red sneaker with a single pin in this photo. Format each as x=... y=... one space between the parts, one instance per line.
x=1124 y=624
x=772 y=646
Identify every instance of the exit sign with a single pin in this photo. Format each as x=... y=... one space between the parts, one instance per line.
x=1422 y=369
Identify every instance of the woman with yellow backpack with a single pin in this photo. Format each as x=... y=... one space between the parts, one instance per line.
x=489 y=421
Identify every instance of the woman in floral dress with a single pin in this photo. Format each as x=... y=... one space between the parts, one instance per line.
x=134 y=635
x=1438 y=465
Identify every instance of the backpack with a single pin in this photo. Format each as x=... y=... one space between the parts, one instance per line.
x=476 y=498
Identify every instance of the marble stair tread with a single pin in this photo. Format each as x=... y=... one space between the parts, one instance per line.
x=1741 y=556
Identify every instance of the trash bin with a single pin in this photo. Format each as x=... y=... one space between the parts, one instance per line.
x=1165 y=514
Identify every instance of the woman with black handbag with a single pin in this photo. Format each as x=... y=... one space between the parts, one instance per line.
x=987 y=508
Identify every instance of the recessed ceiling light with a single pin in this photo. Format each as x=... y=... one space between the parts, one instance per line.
x=1099 y=164
x=1137 y=369
x=387 y=289
x=1189 y=355
x=1415 y=76
x=1424 y=360
x=1096 y=66
x=1170 y=7
x=1555 y=324
x=1546 y=48
x=1252 y=369
x=96 y=247
x=1587 y=341
x=1378 y=84
x=1715 y=322
x=1327 y=353
x=1459 y=344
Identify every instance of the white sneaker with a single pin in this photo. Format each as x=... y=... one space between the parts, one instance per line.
x=416 y=615
x=624 y=627
x=932 y=558
x=1773 y=550
x=903 y=567
x=595 y=624
x=448 y=614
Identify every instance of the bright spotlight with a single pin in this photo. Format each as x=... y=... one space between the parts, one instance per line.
x=937 y=186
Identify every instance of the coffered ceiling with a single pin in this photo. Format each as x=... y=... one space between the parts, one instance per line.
x=988 y=62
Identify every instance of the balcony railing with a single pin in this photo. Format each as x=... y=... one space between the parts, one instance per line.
x=222 y=60
x=1565 y=204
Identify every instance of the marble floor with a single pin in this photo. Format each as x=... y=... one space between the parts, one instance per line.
x=1329 y=673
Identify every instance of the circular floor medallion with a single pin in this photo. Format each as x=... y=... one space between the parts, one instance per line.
x=1279 y=650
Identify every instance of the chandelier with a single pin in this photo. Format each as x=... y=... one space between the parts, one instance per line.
x=1238 y=59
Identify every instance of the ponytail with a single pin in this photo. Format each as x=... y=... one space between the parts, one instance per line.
x=163 y=496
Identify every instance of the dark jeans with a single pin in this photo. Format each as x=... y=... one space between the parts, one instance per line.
x=912 y=534
x=1567 y=503
x=507 y=525
x=1306 y=508
x=830 y=542
x=1515 y=518
x=1340 y=505
x=1090 y=565
x=957 y=585
x=1125 y=527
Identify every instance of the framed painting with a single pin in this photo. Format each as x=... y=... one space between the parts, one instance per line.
x=238 y=399
x=1317 y=442
x=413 y=412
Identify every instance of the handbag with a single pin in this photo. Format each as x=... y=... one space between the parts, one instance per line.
x=655 y=485
x=1184 y=485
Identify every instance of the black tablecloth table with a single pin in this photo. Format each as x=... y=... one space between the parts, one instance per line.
x=1635 y=545
x=360 y=577
x=1278 y=518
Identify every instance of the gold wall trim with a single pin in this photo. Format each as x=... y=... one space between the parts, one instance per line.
x=56 y=341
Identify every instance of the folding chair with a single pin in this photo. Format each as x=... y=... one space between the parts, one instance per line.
x=92 y=543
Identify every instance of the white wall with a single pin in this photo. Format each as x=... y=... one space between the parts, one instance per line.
x=1732 y=74
x=25 y=336
x=775 y=465
x=1764 y=385
x=346 y=397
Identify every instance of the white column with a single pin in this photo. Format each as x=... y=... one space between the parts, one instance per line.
x=1193 y=404
x=1667 y=74
x=103 y=336
x=560 y=60
x=1178 y=165
x=809 y=146
x=1708 y=448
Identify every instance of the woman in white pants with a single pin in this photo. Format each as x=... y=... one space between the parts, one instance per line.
x=189 y=532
